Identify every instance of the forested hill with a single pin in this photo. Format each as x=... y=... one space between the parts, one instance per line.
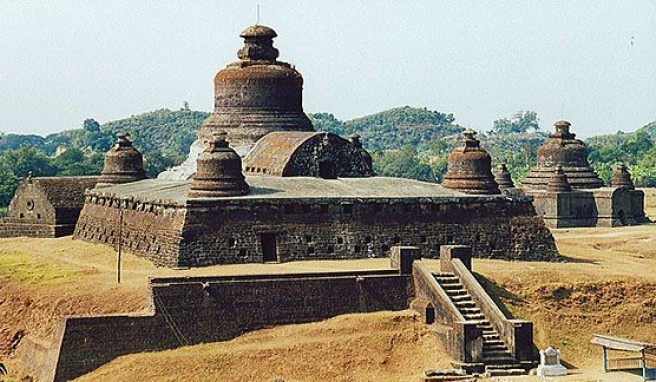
x=393 y=128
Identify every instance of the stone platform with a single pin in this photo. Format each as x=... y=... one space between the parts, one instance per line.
x=286 y=219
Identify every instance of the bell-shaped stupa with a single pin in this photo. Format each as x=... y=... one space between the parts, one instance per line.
x=563 y=149
x=123 y=163
x=219 y=172
x=503 y=178
x=469 y=168
x=257 y=94
x=622 y=177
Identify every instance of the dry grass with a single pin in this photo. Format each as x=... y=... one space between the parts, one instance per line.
x=386 y=346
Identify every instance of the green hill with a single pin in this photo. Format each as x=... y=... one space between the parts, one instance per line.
x=393 y=128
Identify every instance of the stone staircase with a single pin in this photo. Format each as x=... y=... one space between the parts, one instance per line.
x=497 y=357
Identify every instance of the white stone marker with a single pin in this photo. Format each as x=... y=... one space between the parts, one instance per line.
x=550 y=363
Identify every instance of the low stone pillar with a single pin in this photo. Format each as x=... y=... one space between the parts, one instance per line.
x=450 y=252
x=402 y=257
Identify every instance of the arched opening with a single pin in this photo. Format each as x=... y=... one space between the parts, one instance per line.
x=327 y=170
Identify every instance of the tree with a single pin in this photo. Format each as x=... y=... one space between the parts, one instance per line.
x=8 y=184
x=91 y=125
x=402 y=163
x=28 y=160
x=521 y=122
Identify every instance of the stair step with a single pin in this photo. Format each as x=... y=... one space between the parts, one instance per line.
x=452 y=287
x=495 y=348
x=492 y=342
x=491 y=336
x=462 y=297
x=465 y=304
x=474 y=317
x=447 y=280
x=460 y=293
x=498 y=360
x=495 y=372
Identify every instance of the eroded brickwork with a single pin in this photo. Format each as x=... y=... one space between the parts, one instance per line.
x=260 y=230
x=151 y=230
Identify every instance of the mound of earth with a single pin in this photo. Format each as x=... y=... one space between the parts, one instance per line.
x=384 y=346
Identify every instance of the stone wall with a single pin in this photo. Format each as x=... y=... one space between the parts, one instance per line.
x=603 y=207
x=250 y=230
x=236 y=232
x=199 y=310
x=151 y=230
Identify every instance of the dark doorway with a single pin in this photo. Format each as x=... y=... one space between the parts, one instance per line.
x=327 y=170
x=269 y=249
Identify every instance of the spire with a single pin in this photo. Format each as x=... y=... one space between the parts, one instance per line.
x=258 y=44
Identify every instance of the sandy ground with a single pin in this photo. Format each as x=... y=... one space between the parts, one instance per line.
x=606 y=286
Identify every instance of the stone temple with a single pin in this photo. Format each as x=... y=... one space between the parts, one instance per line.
x=567 y=191
x=300 y=194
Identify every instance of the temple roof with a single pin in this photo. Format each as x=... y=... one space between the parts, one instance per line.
x=273 y=187
x=273 y=151
x=64 y=192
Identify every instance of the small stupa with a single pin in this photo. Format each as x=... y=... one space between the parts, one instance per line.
x=503 y=178
x=123 y=163
x=622 y=177
x=357 y=143
x=219 y=171
x=469 y=168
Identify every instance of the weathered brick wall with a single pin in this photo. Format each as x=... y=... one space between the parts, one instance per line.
x=11 y=227
x=235 y=230
x=215 y=309
x=151 y=230
x=341 y=154
x=329 y=229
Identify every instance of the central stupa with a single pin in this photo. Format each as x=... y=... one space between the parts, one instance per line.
x=254 y=96
x=257 y=94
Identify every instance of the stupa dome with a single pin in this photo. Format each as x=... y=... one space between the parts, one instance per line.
x=123 y=163
x=257 y=94
x=469 y=168
x=563 y=149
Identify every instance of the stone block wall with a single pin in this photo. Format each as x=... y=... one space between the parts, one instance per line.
x=235 y=232
x=151 y=230
x=199 y=310
x=246 y=230
x=603 y=207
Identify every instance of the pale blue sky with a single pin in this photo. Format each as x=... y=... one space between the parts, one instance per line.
x=64 y=61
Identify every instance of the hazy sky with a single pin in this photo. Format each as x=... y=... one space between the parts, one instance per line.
x=64 y=61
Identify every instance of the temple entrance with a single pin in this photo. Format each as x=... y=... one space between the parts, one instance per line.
x=269 y=247
x=327 y=170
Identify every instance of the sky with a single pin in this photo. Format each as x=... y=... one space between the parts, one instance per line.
x=590 y=62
